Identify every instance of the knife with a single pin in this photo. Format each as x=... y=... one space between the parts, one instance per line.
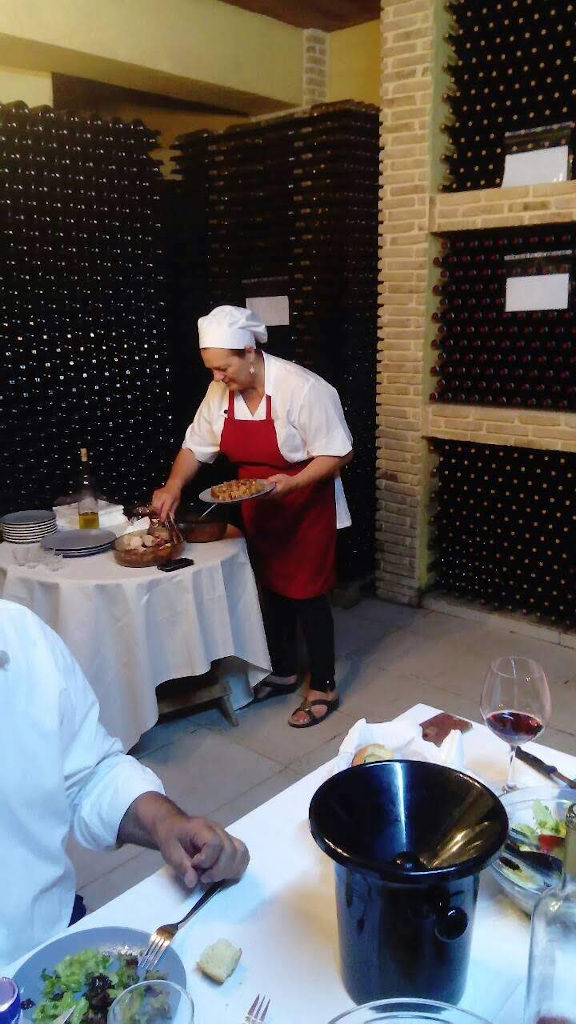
x=549 y=770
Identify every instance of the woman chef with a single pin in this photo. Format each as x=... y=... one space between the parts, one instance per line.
x=274 y=419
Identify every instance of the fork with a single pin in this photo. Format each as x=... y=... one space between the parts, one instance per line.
x=257 y=1012
x=162 y=937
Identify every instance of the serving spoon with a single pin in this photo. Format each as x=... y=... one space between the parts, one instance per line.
x=209 y=509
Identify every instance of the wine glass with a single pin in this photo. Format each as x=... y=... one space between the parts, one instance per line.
x=152 y=1002
x=515 y=704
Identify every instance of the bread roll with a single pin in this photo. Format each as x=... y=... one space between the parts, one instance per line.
x=219 y=960
x=372 y=753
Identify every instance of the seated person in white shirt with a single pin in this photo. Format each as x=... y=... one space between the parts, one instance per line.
x=276 y=420
x=59 y=769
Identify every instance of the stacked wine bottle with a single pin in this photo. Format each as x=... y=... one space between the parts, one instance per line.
x=334 y=291
x=504 y=528
x=185 y=204
x=83 y=324
x=487 y=355
x=511 y=67
x=288 y=206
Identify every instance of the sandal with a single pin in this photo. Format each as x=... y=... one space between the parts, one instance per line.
x=274 y=689
x=307 y=706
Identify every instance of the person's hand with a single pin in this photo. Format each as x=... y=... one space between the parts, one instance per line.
x=165 y=500
x=284 y=485
x=200 y=850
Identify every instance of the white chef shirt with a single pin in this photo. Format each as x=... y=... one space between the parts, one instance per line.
x=307 y=414
x=58 y=767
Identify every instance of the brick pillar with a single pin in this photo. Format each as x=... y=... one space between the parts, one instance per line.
x=315 y=67
x=404 y=179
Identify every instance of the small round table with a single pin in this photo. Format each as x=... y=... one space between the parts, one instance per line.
x=133 y=629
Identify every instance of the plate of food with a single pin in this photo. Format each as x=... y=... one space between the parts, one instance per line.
x=88 y=968
x=231 y=491
x=536 y=826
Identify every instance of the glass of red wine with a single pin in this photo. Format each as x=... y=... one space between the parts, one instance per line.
x=515 y=704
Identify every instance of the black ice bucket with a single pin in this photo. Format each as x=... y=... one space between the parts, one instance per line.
x=409 y=840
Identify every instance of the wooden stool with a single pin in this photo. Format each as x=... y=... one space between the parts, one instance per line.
x=177 y=696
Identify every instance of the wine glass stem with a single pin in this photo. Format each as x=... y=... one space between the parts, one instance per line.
x=510 y=784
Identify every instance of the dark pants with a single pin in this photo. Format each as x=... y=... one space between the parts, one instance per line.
x=78 y=910
x=281 y=617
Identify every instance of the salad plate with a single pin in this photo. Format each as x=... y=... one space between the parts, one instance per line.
x=112 y=940
x=536 y=822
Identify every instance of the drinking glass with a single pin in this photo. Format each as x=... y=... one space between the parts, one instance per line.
x=52 y=560
x=27 y=555
x=152 y=1002
x=515 y=704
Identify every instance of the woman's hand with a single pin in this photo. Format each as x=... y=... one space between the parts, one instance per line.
x=321 y=467
x=284 y=484
x=165 y=500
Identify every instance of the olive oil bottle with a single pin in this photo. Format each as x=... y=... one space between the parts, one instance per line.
x=87 y=500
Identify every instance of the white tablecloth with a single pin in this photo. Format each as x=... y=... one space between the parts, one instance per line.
x=283 y=912
x=131 y=629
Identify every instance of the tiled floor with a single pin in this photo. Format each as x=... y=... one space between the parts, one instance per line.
x=389 y=658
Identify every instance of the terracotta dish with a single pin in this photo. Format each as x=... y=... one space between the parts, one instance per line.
x=144 y=557
x=197 y=530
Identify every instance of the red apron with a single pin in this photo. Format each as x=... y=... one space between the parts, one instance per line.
x=292 y=540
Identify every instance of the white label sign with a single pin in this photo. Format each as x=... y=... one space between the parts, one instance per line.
x=536 y=166
x=541 y=291
x=273 y=310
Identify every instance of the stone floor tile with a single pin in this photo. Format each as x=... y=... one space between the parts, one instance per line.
x=252 y=798
x=203 y=770
x=123 y=877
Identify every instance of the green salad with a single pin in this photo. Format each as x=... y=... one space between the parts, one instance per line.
x=547 y=832
x=90 y=980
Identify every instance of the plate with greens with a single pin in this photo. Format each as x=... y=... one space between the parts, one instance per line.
x=88 y=968
x=536 y=819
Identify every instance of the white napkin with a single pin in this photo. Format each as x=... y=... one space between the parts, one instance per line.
x=137 y=524
x=110 y=516
x=405 y=741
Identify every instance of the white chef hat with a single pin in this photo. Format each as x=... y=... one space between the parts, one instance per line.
x=230 y=327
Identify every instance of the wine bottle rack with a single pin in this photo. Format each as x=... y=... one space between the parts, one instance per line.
x=485 y=355
x=294 y=200
x=83 y=296
x=504 y=528
x=511 y=67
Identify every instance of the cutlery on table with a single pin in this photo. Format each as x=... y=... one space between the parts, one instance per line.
x=549 y=770
x=162 y=937
x=257 y=1012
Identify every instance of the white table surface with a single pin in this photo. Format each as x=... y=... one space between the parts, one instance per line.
x=283 y=915
x=132 y=629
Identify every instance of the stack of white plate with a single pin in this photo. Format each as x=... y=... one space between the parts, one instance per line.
x=28 y=527
x=79 y=543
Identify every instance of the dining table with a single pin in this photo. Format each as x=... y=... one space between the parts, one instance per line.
x=132 y=629
x=282 y=913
